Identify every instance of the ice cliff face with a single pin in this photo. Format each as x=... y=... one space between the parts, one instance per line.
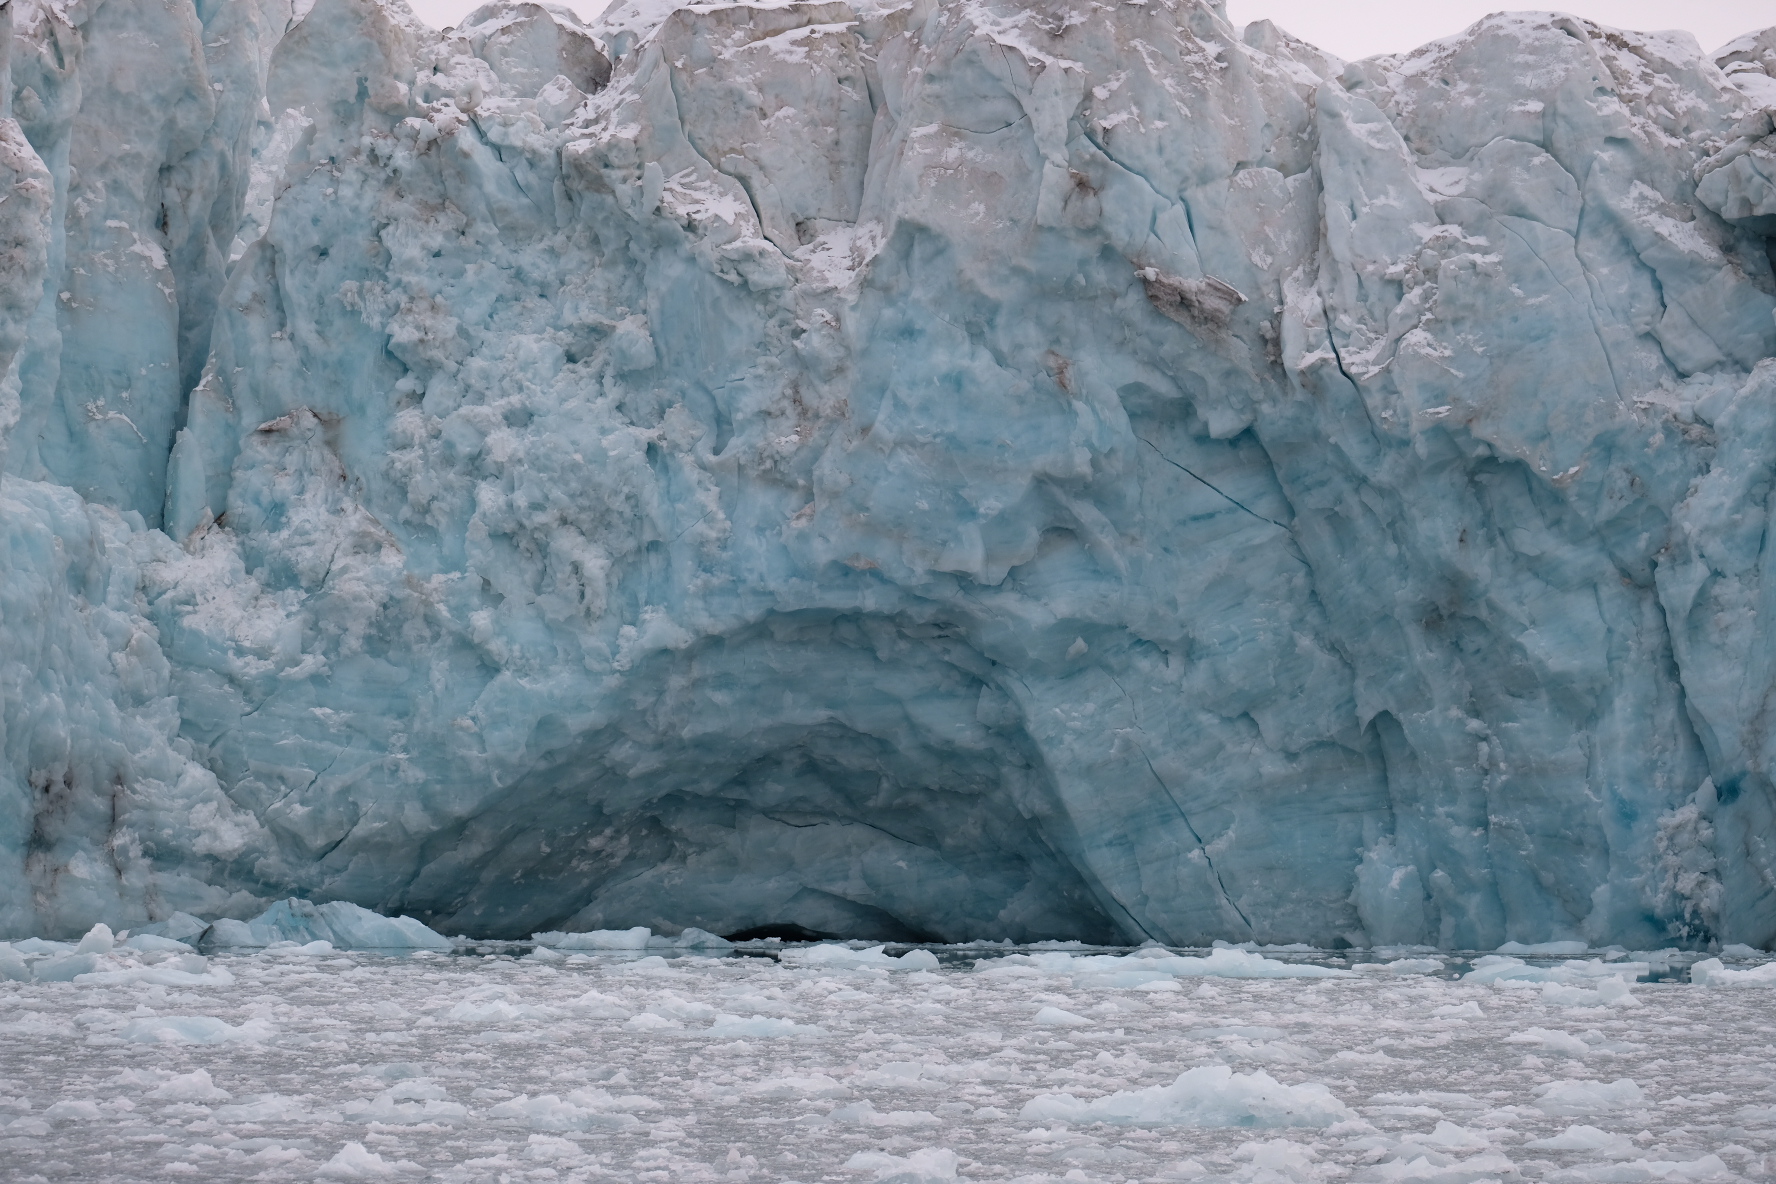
x=951 y=470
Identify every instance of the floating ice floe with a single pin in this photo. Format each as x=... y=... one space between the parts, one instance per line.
x=341 y=924
x=407 y=1103
x=1468 y=1009
x=98 y=959
x=817 y=1085
x=1589 y=1139
x=274 y=1108
x=1152 y=968
x=1545 y=949
x=192 y=1029
x=1552 y=1041
x=760 y=1027
x=181 y=970
x=1501 y=968
x=581 y=1110
x=354 y=1162
x=195 y=1086
x=1712 y=972
x=928 y=1165
x=845 y=958
x=1702 y=1170
x=1579 y=1098
x=1209 y=1095
x=865 y=1114
x=1054 y=1017
x=1573 y=983
x=497 y=1010
x=1402 y=966
x=598 y=1005
x=149 y=943
x=181 y=927
x=638 y=938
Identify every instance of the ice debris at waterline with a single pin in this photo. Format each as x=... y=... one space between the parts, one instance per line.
x=339 y=924
x=289 y=924
x=637 y=938
x=949 y=471
x=299 y=1063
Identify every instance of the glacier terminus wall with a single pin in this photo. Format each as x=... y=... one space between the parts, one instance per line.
x=928 y=471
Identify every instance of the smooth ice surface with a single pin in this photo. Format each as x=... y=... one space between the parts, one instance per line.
x=950 y=470
x=627 y=1066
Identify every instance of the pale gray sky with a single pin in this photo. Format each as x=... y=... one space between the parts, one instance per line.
x=1358 y=28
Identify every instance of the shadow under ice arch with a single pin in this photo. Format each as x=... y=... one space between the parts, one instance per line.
x=853 y=775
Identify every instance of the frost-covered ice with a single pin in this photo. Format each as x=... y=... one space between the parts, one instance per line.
x=796 y=1065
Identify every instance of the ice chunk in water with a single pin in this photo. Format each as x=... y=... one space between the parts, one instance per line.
x=818 y=1085
x=351 y=927
x=1589 y=1139
x=760 y=1027
x=692 y=938
x=1143 y=968
x=1610 y=992
x=354 y=1162
x=597 y=939
x=1554 y=1041
x=1711 y=972
x=1209 y=1095
x=1054 y=1017
x=409 y=1102
x=582 y=1110
x=343 y=925
x=872 y=958
x=1546 y=949
x=149 y=943
x=64 y=968
x=192 y=1029
x=180 y=927
x=864 y=1114
x=928 y=1165
x=194 y=1086
x=1497 y=968
x=1579 y=1098
x=1467 y=1009
x=98 y=940
x=37 y=945
x=598 y=1005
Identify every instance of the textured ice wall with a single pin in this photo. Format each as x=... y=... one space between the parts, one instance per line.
x=956 y=470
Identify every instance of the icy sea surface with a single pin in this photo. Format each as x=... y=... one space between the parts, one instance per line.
x=835 y=1063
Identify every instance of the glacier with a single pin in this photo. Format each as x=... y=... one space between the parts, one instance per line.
x=944 y=470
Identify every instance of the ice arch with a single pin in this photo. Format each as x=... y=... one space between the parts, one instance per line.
x=851 y=774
